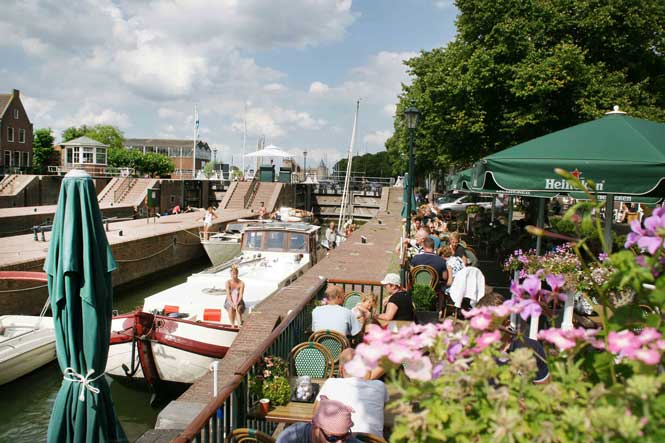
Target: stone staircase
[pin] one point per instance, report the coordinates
(266, 194)
(237, 193)
(125, 191)
(15, 183)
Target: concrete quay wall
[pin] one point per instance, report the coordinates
(142, 249)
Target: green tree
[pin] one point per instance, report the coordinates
(518, 70)
(209, 169)
(42, 150)
(369, 165)
(107, 134)
(156, 164)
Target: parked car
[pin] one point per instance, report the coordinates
(461, 202)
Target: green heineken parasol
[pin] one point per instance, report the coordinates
(79, 265)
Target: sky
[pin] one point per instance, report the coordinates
(291, 69)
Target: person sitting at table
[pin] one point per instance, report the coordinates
(457, 248)
(400, 303)
(364, 310)
(371, 395)
(429, 258)
(454, 264)
(331, 423)
(334, 316)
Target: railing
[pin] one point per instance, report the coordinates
(123, 188)
(249, 196)
(7, 182)
(101, 171)
(230, 409)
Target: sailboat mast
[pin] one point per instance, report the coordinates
(346, 192)
(244, 139)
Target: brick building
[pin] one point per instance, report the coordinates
(15, 133)
(179, 151)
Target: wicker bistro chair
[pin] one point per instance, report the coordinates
(313, 359)
(351, 299)
(331, 340)
(424, 275)
(368, 438)
(248, 435)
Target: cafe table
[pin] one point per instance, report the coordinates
(294, 411)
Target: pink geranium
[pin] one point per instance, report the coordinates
(651, 236)
(419, 369)
(555, 281)
(486, 339)
(372, 353)
(623, 343)
(647, 355)
(560, 338)
(481, 322)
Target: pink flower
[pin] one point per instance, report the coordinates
(516, 289)
(486, 339)
(558, 338)
(357, 367)
(447, 325)
(453, 350)
(622, 343)
(372, 353)
(648, 356)
(481, 321)
(376, 333)
(532, 285)
(651, 237)
(419, 369)
(648, 335)
(400, 351)
(499, 311)
(528, 308)
(555, 282)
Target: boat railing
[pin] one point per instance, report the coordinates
(230, 409)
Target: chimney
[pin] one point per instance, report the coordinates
(16, 93)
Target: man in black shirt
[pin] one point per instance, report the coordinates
(429, 258)
(400, 303)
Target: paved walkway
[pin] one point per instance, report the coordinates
(23, 249)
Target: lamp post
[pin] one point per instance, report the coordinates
(304, 156)
(411, 117)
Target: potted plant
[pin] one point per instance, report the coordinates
(277, 390)
(424, 298)
(268, 369)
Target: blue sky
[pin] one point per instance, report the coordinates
(296, 65)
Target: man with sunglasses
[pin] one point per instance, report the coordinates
(331, 423)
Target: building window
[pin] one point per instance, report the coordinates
(88, 155)
(68, 156)
(77, 153)
(16, 114)
(10, 134)
(26, 159)
(101, 156)
(8, 158)
(21, 135)
(17, 158)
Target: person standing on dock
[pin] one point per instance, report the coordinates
(207, 221)
(331, 236)
(234, 304)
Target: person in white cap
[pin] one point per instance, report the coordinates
(400, 303)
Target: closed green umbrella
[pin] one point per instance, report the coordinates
(79, 264)
(405, 197)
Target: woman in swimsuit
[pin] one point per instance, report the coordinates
(234, 304)
(207, 221)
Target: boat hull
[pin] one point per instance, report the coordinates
(220, 252)
(26, 343)
(159, 348)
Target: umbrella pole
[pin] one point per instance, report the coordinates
(540, 223)
(609, 212)
(510, 214)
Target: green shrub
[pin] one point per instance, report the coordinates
(277, 390)
(424, 297)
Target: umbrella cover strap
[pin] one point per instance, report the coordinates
(71, 375)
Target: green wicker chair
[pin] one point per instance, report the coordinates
(247, 435)
(332, 340)
(424, 275)
(351, 299)
(311, 358)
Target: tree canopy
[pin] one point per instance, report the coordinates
(117, 156)
(517, 70)
(370, 165)
(42, 150)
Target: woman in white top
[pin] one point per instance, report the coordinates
(207, 221)
(453, 263)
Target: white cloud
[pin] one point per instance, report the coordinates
(318, 88)
(377, 138)
(389, 109)
(444, 4)
(274, 87)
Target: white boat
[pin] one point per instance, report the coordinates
(181, 330)
(26, 343)
(222, 247)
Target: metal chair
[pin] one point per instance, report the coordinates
(424, 275)
(333, 341)
(351, 299)
(369, 438)
(311, 358)
(248, 435)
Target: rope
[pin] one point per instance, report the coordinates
(147, 256)
(71, 375)
(46, 306)
(9, 291)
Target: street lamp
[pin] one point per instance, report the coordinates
(304, 155)
(411, 115)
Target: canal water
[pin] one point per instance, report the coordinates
(25, 404)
